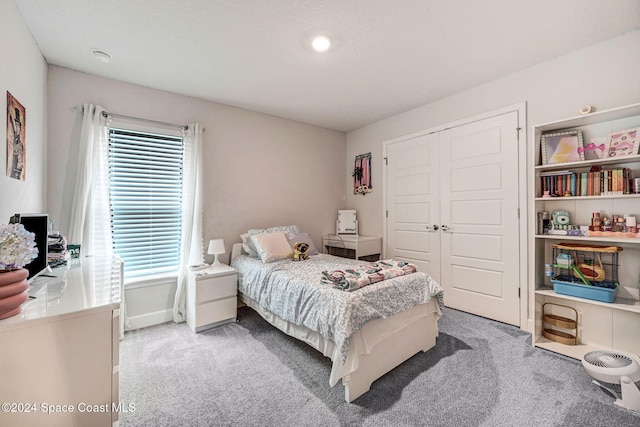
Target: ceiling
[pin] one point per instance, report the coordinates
(388, 56)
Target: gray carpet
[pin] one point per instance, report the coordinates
(481, 373)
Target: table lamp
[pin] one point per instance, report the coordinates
(216, 247)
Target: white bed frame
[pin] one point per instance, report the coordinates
(411, 334)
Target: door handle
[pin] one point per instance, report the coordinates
(434, 228)
(445, 227)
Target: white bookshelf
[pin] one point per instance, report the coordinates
(600, 325)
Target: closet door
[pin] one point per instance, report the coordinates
(479, 214)
(412, 197)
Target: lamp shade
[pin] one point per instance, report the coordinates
(216, 247)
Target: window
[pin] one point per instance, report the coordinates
(145, 186)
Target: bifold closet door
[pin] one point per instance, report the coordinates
(452, 209)
(479, 214)
(412, 192)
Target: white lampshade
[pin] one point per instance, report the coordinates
(216, 247)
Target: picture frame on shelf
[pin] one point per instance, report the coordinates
(597, 149)
(624, 143)
(562, 147)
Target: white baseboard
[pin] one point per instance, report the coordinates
(149, 319)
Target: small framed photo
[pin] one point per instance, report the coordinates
(624, 143)
(562, 147)
(597, 149)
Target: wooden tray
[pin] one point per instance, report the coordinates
(562, 322)
(559, 336)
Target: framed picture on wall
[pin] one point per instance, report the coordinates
(562, 147)
(362, 174)
(16, 144)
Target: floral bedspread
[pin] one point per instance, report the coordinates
(294, 291)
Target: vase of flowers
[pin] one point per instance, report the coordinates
(17, 249)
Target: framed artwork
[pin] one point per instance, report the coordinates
(362, 174)
(16, 143)
(562, 147)
(624, 143)
(597, 149)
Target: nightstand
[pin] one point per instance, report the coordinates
(211, 297)
(367, 248)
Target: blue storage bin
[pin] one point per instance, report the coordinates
(583, 291)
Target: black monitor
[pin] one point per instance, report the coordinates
(38, 224)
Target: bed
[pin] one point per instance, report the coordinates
(365, 332)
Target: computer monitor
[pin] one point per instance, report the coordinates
(38, 224)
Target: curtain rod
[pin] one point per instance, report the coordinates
(122, 116)
(107, 114)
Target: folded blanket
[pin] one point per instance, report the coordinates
(355, 277)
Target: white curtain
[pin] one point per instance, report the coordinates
(90, 224)
(191, 251)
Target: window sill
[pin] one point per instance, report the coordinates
(148, 281)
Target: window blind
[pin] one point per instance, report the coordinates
(145, 182)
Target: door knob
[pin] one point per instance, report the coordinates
(445, 227)
(435, 227)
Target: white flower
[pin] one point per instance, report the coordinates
(17, 246)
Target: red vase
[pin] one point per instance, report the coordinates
(13, 291)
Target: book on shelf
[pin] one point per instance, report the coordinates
(557, 173)
(605, 182)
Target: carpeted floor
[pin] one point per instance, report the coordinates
(481, 373)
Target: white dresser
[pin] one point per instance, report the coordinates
(59, 358)
(212, 297)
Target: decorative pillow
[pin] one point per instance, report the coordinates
(248, 246)
(272, 246)
(288, 230)
(303, 237)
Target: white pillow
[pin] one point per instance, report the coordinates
(288, 230)
(248, 246)
(272, 246)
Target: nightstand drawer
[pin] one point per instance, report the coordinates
(216, 311)
(215, 288)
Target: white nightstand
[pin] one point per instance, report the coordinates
(367, 248)
(212, 297)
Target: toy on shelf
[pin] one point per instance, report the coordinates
(561, 224)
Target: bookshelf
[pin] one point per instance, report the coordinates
(600, 325)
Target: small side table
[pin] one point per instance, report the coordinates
(212, 297)
(367, 248)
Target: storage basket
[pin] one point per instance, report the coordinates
(549, 320)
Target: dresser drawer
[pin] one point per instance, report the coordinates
(338, 243)
(216, 311)
(215, 288)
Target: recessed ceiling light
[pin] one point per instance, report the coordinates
(321, 43)
(101, 56)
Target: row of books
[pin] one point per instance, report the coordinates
(601, 183)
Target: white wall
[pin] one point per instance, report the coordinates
(259, 170)
(23, 73)
(605, 75)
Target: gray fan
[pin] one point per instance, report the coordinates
(612, 370)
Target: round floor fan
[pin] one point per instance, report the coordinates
(615, 371)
